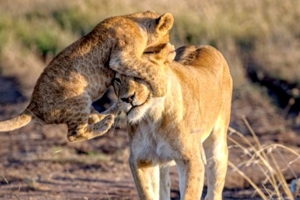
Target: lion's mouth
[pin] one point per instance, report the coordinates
(133, 107)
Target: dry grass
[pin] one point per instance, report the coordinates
(275, 185)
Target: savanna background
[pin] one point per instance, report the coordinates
(260, 40)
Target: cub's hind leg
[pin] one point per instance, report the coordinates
(95, 116)
(85, 130)
(88, 123)
(216, 151)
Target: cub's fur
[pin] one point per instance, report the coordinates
(186, 125)
(82, 72)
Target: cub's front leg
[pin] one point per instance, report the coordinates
(150, 67)
(130, 65)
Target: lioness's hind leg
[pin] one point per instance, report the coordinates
(217, 158)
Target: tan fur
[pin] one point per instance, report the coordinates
(186, 125)
(82, 72)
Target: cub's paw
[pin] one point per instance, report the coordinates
(107, 122)
(168, 52)
(95, 117)
(98, 124)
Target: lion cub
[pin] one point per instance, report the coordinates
(82, 72)
(188, 125)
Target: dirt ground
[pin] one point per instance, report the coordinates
(37, 162)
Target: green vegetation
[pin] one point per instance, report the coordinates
(264, 31)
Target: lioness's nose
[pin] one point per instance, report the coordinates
(128, 99)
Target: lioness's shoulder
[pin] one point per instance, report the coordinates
(204, 55)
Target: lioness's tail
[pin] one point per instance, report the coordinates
(15, 123)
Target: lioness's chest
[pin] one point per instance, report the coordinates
(149, 145)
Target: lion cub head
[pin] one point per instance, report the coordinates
(157, 28)
(134, 95)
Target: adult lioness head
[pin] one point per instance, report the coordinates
(135, 96)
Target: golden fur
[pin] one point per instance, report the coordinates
(82, 72)
(188, 125)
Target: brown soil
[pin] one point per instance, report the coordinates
(39, 163)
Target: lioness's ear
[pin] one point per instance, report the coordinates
(164, 23)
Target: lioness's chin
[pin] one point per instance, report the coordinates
(138, 113)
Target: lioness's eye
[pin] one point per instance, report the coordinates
(117, 81)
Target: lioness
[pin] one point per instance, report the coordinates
(82, 72)
(186, 125)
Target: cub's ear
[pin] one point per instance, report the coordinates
(164, 23)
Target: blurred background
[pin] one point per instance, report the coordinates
(260, 39)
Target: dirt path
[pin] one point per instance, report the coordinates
(38, 163)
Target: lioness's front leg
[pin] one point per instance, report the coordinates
(146, 179)
(217, 160)
(191, 174)
(165, 183)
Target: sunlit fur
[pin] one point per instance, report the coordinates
(188, 125)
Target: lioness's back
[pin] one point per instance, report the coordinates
(200, 56)
(206, 71)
